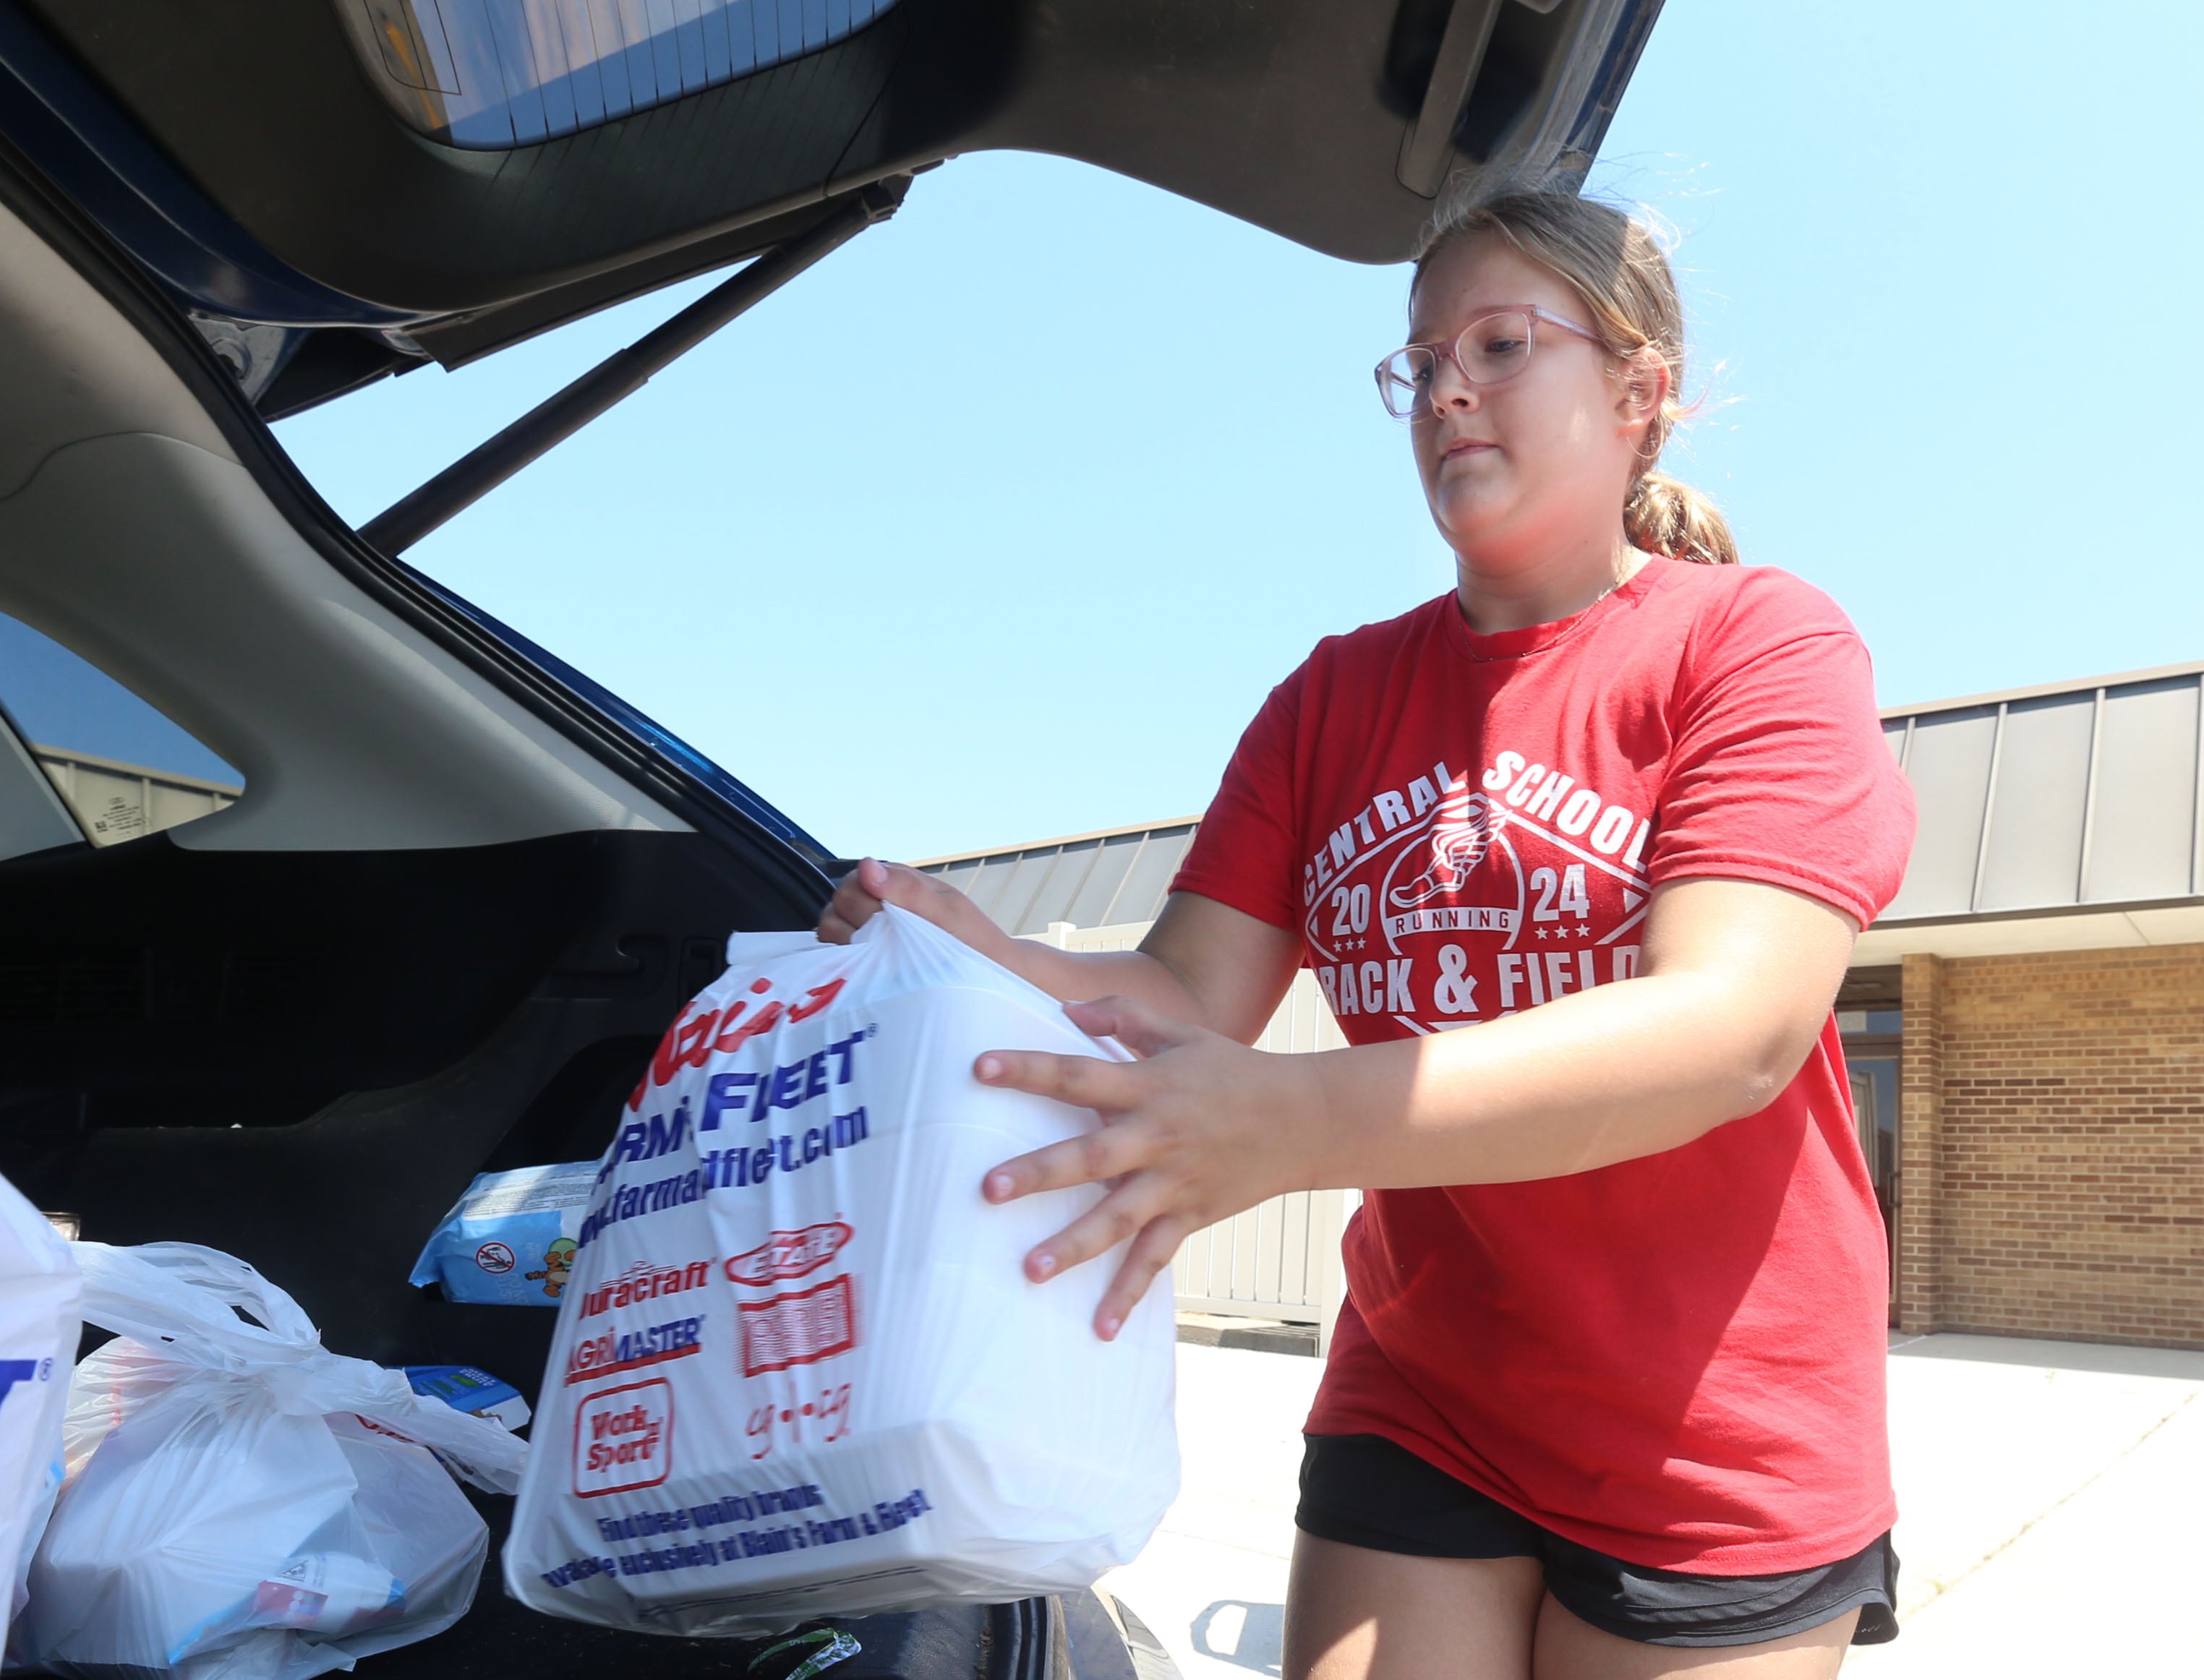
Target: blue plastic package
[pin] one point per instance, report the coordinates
(470, 1388)
(510, 1240)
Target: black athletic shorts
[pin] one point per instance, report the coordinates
(1363, 1490)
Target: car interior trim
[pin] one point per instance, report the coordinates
(184, 393)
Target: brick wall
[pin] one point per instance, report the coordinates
(2053, 1145)
(1923, 1241)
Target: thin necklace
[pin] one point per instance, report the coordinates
(1601, 596)
(1573, 623)
(1612, 587)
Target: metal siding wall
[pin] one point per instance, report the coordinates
(1091, 909)
(985, 887)
(1949, 766)
(2032, 857)
(1142, 897)
(2047, 802)
(2142, 835)
(1051, 903)
(1008, 908)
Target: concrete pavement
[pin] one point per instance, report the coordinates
(2051, 1510)
(2052, 1501)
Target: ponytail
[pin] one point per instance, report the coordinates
(1665, 517)
(1619, 269)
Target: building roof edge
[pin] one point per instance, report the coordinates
(1059, 840)
(2043, 690)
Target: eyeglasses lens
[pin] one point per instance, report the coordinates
(1404, 380)
(1489, 351)
(1495, 349)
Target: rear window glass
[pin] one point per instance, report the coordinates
(491, 74)
(121, 768)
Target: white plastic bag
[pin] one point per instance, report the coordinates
(38, 1325)
(798, 1370)
(240, 1503)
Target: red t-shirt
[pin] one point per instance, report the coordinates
(1678, 1360)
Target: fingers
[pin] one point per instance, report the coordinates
(1109, 1088)
(1083, 1081)
(1133, 1213)
(835, 928)
(1092, 1158)
(872, 884)
(893, 884)
(907, 889)
(1151, 1253)
(1128, 1215)
(1180, 1144)
(1110, 1221)
(1139, 1029)
(854, 903)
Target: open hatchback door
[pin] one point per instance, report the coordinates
(441, 894)
(401, 180)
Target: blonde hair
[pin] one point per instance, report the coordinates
(1617, 266)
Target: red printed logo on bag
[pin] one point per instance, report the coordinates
(594, 1357)
(623, 1438)
(694, 1040)
(797, 1329)
(496, 1258)
(645, 1281)
(787, 1254)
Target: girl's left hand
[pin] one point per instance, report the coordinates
(1197, 1129)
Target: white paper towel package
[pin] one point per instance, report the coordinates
(798, 1370)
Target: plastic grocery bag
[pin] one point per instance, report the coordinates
(510, 1239)
(241, 1504)
(797, 1369)
(40, 1290)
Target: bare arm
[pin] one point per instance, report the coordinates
(1738, 982)
(1202, 962)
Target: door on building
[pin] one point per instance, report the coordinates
(1872, 1057)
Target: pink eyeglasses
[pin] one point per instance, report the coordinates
(1491, 351)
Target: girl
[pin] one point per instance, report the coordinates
(1606, 1395)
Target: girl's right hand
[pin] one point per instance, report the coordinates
(873, 883)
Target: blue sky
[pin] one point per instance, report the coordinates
(1000, 523)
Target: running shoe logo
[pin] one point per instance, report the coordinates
(1461, 834)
